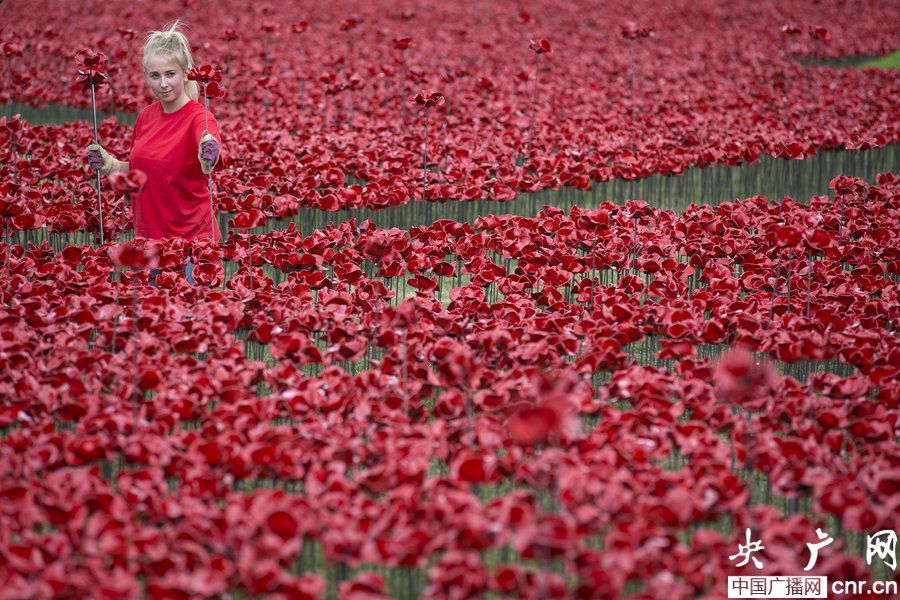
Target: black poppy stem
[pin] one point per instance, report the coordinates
(634, 246)
(425, 162)
(99, 196)
(11, 87)
(406, 371)
(403, 90)
(349, 79)
(593, 264)
(841, 222)
(534, 93)
(775, 289)
(809, 72)
(134, 337)
(8, 240)
(266, 71)
(426, 99)
(13, 167)
(115, 319)
(249, 257)
(539, 46)
(375, 319)
(809, 274)
(784, 186)
(633, 73)
(788, 279)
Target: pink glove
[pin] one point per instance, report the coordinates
(208, 152)
(100, 160)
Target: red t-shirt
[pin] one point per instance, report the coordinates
(175, 199)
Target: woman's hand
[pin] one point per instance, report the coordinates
(208, 153)
(100, 160)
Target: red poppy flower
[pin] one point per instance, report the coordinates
(425, 284)
(91, 70)
(845, 184)
(631, 31)
(817, 32)
(402, 43)
(299, 27)
(89, 61)
(533, 426)
(215, 89)
(675, 350)
(28, 222)
(128, 183)
(11, 49)
(249, 219)
(204, 74)
(787, 237)
(792, 150)
(283, 524)
(11, 125)
(209, 273)
(739, 379)
(10, 207)
(476, 468)
(377, 246)
(130, 254)
(591, 220)
(365, 586)
(540, 46)
(817, 239)
(428, 98)
(790, 29)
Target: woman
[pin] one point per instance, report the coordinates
(171, 144)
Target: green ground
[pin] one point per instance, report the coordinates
(890, 61)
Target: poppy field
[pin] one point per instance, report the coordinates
(515, 300)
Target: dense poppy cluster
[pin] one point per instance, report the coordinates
(331, 125)
(550, 392)
(589, 402)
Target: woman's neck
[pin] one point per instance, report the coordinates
(170, 107)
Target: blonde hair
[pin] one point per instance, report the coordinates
(174, 45)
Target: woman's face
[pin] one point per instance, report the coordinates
(166, 78)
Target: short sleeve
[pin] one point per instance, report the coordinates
(135, 131)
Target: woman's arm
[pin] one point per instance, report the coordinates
(119, 166)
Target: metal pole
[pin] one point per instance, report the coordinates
(96, 141)
(209, 181)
